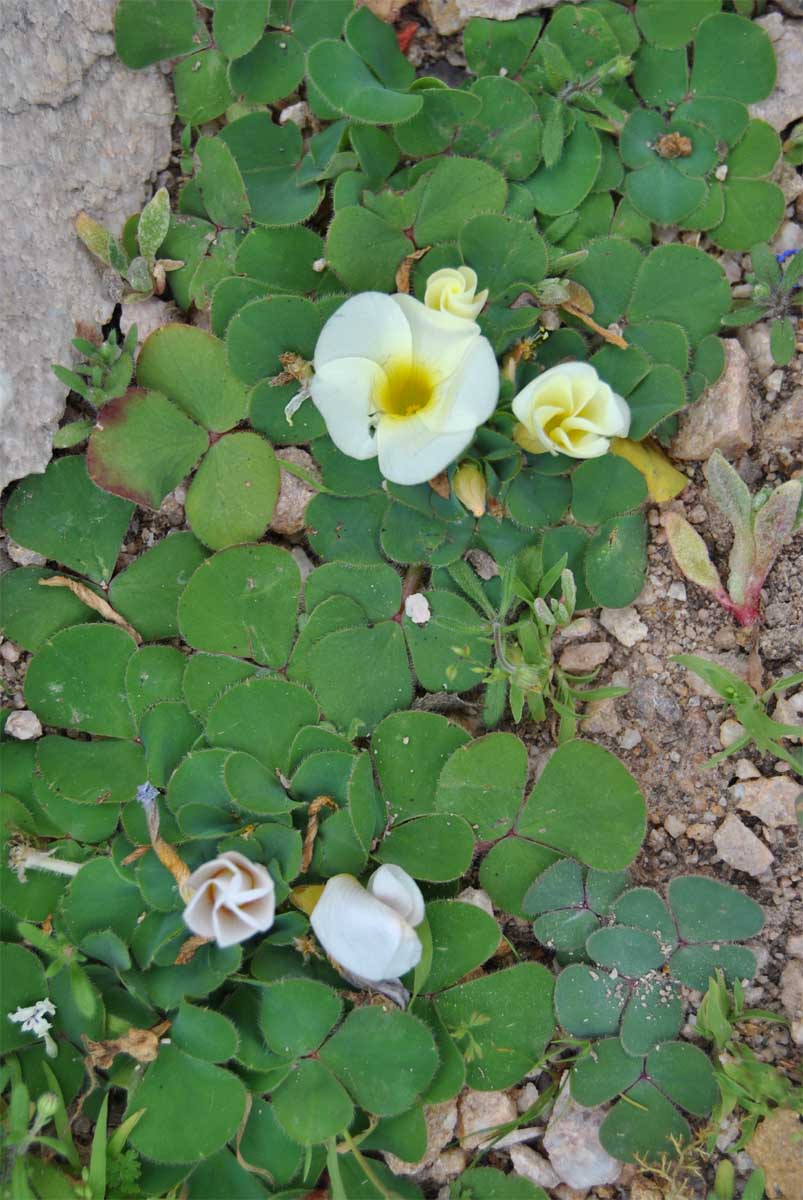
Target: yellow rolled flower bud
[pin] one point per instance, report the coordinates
(468, 484)
(453, 290)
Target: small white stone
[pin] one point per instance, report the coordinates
(480, 1113)
(721, 172)
(674, 826)
(10, 652)
(298, 114)
(416, 607)
(585, 657)
(772, 800)
(24, 725)
(581, 627)
(572, 1143)
(534, 1167)
(23, 557)
(739, 847)
(630, 739)
(677, 591)
(729, 732)
(319, 265)
(625, 625)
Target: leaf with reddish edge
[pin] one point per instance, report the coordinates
(142, 447)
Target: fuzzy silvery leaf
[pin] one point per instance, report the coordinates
(732, 497)
(153, 224)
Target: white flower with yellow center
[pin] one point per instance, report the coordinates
(370, 932)
(453, 290)
(569, 410)
(399, 380)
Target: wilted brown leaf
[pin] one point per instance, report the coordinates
(406, 266)
(141, 1044)
(92, 600)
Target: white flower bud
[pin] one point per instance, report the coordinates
(233, 898)
(452, 290)
(370, 932)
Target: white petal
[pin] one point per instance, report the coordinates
(343, 392)
(439, 340)
(410, 453)
(395, 887)
(363, 935)
(369, 325)
(620, 417)
(407, 955)
(583, 377)
(468, 397)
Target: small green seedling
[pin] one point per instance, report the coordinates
(104, 376)
(776, 294)
(750, 710)
(762, 525)
(751, 1088)
(142, 273)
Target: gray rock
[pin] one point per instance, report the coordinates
(294, 493)
(625, 625)
(24, 725)
(450, 16)
(722, 418)
(756, 341)
(654, 703)
(771, 800)
(572, 1143)
(479, 1114)
(534, 1167)
(22, 556)
(739, 847)
(785, 103)
(792, 997)
(80, 131)
(784, 429)
(585, 657)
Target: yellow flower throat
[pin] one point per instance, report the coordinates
(408, 388)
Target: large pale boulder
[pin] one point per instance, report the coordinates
(77, 131)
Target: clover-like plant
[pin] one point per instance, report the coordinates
(775, 296)
(134, 259)
(628, 952)
(762, 525)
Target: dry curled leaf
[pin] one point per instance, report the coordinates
(141, 1044)
(92, 600)
(188, 949)
(674, 145)
(615, 339)
(406, 266)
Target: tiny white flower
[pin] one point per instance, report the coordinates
(398, 380)
(416, 607)
(233, 898)
(569, 410)
(453, 290)
(33, 1019)
(370, 932)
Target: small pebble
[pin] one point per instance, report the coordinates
(24, 725)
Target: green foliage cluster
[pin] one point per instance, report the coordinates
(776, 292)
(208, 676)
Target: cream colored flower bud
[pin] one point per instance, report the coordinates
(452, 290)
(370, 932)
(468, 484)
(569, 410)
(233, 898)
